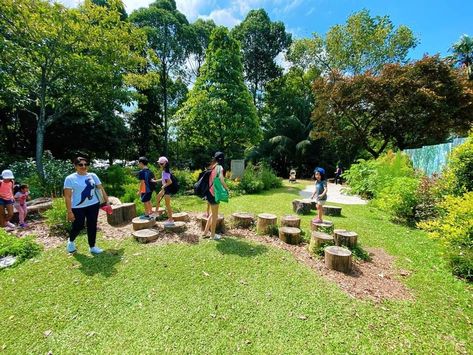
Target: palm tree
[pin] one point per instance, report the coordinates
(463, 54)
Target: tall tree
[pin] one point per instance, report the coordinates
(169, 38)
(64, 59)
(463, 54)
(219, 113)
(202, 30)
(113, 4)
(261, 41)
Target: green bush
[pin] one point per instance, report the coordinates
(400, 199)
(257, 178)
(22, 248)
(458, 175)
(186, 179)
(454, 228)
(114, 178)
(369, 178)
(56, 219)
(428, 196)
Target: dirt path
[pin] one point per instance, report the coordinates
(336, 194)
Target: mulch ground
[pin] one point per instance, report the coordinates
(376, 280)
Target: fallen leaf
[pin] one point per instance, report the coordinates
(213, 315)
(205, 273)
(302, 317)
(90, 334)
(11, 317)
(47, 333)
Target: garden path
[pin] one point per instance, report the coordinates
(336, 194)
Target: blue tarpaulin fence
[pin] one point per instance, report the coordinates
(432, 158)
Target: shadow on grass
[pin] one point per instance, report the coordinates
(239, 247)
(100, 264)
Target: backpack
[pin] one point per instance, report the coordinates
(16, 188)
(174, 187)
(202, 185)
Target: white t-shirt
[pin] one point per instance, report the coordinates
(83, 189)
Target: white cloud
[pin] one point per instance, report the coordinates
(223, 17)
(193, 8)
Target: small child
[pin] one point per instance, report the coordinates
(145, 190)
(6, 197)
(320, 192)
(166, 190)
(21, 195)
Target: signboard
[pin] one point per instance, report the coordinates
(237, 167)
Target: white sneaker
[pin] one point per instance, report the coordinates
(10, 224)
(217, 237)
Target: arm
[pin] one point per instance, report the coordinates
(324, 193)
(104, 194)
(222, 180)
(68, 201)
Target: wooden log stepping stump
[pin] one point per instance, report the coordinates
(301, 206)
(291, 221)
(176, 227)
(181, 217)
(243, 219)
(122, 214)
(319, 240)
(220, 228)
(313, 203)
(345, 238)
(338, 258)
(290, 235)
(325, 226)
(266, 221)
(332, 210)
(139, 223)
(145, 235)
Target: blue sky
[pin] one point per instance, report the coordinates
(436, 23)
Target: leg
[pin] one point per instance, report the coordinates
(21, 213)
(214, 216)
(2, 215)
(159, 196)
(208, 223)
(320, 211)
(92, 213)
(167, 200)
(9, 212)
(148, 208)
(78, 223)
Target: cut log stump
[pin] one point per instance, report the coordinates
(338, 258)
(319, 240)
(332, 210)
(177, 227)
(243, 219)
(313, 203)
(290, 235)
(122, 214)
(266, 223)
(291, 221)
(146, 235)
(301, 206)
(139, 223)
(345, 238)
(325, 226)
(181, 217)
(220, 223)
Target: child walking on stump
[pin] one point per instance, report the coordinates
(166, 189)
(6, 198)
(320, 192)
(146, 188)
(21, 195)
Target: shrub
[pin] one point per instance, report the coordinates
(428, 196)
(22, 248)
(454, 228)
(186, 180)
(361, 177)
(114, 178)
(458, 175)
(56, 219)
(257, 178)
(400, 199)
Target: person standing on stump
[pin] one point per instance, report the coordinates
(320, 192)
(166, 189)
(82, 203)
(217, 173)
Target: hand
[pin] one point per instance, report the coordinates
(138, 193)
(70, 216)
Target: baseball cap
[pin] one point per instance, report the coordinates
(162, 160)
(7, 174)
(319, 170)
(219, 156)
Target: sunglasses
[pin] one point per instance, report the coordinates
(83, 164)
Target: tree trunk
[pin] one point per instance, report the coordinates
(291, 221)
(177, 227)
(145, 235)
(325, 226)
(337, 258)
(41, 124)
(332, 210)
(301, 206)
(290, 235)
(165, 99)
(181, 217)
(243, 219)
(266, 223)
(139, 223)
(345, 238)
(319, 240)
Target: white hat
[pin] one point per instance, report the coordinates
(7, 174)
(162, 160)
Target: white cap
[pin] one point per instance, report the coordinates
(162, 160)
(7, 174)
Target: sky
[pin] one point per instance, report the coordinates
(436, 23)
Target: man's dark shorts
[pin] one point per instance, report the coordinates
(146, 196)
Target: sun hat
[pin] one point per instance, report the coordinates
(162, 160)
(319, 170)
(7, 174)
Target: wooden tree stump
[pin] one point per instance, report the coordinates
(313, 203)
(332, 210)
(319, 240)
(220, 228)
(265, 223)
(301, 206)
(122, 214)
(291, 221)
(177, 227)
(181, 217)
(325, 226)
(345, 238)
(290, 235)
(243, 219)
(145, 235)
(337, 258)
(139, 223)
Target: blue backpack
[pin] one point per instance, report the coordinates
(202, 185)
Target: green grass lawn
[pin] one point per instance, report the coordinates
(232, 295)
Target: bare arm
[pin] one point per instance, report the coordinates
(68, 201)
(104, 194)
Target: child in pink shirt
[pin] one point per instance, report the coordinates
(20, 204)
(6, 197)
